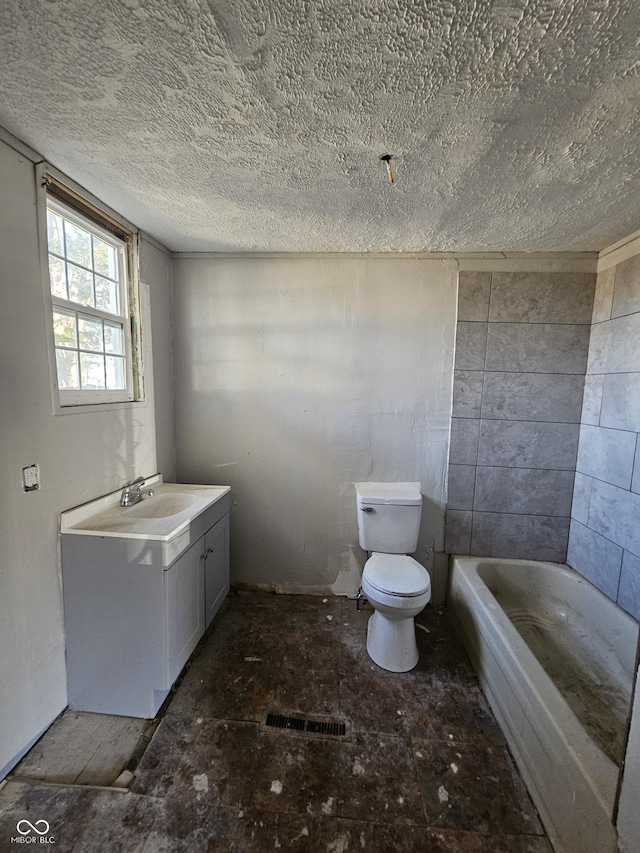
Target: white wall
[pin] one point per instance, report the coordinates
(156, 273)
(296, 377)
(81, 456)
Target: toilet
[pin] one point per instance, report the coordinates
(397, 587)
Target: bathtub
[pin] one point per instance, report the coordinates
(555, 659)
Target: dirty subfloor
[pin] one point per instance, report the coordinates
(423, 767)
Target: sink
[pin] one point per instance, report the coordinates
(160, 506)
(166, 514)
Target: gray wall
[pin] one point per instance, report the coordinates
(296, 377)
(521, 355)
(81, 456)
(604, 543)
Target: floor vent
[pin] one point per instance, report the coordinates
(307, 725)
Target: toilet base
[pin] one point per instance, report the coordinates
(391, 643)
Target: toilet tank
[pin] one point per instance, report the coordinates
(389, 516)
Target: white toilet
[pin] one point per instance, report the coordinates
(397, 587)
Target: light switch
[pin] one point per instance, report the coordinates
(31, 477)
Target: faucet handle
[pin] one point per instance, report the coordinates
(137, 482)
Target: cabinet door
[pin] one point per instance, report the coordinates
(184, 608)
(216, 573)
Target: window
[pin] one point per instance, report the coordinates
(93, 305)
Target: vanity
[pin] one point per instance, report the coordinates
(141, 585)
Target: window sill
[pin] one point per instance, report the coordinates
(89, 408)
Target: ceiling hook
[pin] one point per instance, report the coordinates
(386, 159)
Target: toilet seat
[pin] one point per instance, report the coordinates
(396, 575)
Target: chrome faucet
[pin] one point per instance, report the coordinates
(132, 492)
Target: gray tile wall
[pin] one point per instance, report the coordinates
(604, 539)
(521, 355)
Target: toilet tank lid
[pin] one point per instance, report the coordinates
(400, 494)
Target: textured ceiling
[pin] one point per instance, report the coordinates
(257, 125)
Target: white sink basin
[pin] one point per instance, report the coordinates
(165, 514)
(160, 506)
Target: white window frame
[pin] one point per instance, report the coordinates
(59, 195)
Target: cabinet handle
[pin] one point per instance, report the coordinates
(210, 549)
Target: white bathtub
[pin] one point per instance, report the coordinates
(555, 658)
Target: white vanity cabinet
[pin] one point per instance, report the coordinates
(135, 609)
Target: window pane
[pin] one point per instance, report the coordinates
(92, 371)
(90, 334)
(55, 235)
(64, 327)
(104, 258)
(80, 285)
(57, 277)
(67, 362)
(78, 244)
(115, 372)
(113, 338)
(106, 295)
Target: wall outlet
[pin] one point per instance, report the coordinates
(31, 478)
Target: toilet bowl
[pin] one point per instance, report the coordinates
(398, 588)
